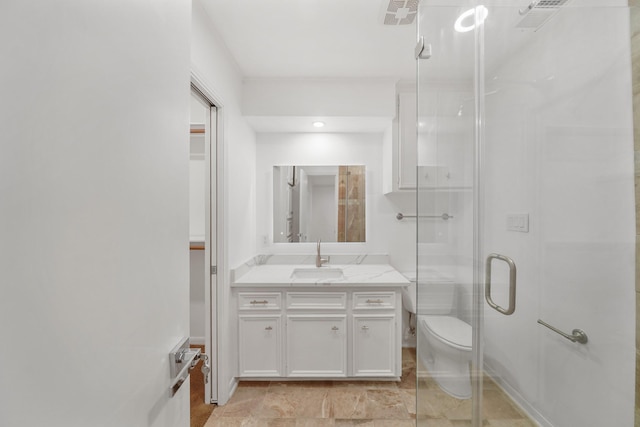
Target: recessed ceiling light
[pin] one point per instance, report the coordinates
(318, 124)
(478, 19)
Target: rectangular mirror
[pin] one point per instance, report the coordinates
(312, 203)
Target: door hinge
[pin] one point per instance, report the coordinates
(422, 50)
(214, 269)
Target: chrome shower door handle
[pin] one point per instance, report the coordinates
(512, 284)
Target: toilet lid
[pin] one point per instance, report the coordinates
(449, 329)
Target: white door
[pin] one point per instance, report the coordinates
(93, 211)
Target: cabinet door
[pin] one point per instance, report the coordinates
(316, 346)
(260, 339)
(374, 345)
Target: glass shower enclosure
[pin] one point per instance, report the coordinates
(526, 294)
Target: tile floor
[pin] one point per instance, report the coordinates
(360, 403)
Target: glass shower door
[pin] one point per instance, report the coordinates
(525, 142)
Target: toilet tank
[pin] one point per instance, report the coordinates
(436, 294)
(436, 297)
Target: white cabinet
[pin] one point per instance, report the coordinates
(259, 301)
(260, 345)
(316, 337)
(316, 301)
(260, 334)
(316, 345)
(374, 336)
(374, 352)
(374, 300)
(400, 147)
(330, 334)
(434, 149)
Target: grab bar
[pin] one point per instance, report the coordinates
(444, 216)
(577, 335)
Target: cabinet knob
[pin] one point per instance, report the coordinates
(335, 328)
(268, 328)
(365, 328)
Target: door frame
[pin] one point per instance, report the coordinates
(214, 232)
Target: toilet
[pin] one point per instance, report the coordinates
(444, 341)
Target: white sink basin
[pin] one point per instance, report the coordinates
(317, 273)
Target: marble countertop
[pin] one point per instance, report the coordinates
(374, 275)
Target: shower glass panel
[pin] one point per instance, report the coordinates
(525, 138)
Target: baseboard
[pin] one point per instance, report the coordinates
(196, 340)
(517, 398)
(233, 386)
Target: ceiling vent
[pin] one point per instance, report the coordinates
(401, 12)
(542, 4)
(539, 12)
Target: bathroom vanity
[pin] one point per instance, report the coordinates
(339, 321)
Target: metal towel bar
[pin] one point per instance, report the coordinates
(444, 216)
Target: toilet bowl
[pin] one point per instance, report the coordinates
(444, 341)
(444, 347)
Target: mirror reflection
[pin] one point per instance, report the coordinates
(312, 203)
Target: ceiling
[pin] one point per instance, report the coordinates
(314, 38)
(346, 39)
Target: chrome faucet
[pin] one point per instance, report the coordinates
(319, 259)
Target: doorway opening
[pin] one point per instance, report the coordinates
(203, 239)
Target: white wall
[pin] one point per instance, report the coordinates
(384, 233)
(560, 147)
(212, 61)
(197, 171)
(94, 214)
(197, 181)
(319, 97)
(214, 65)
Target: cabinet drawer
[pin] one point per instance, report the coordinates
(259, 301)
(374, 300)
(316, 300)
